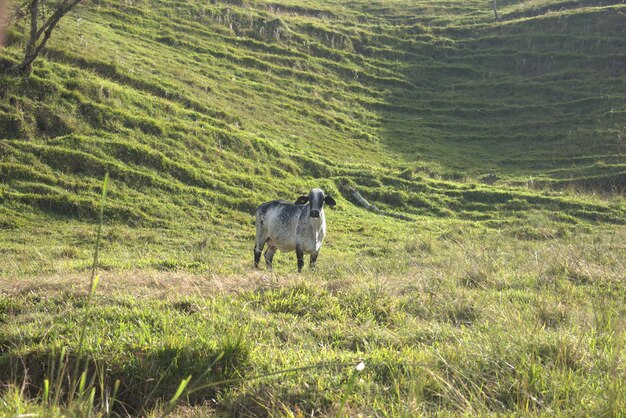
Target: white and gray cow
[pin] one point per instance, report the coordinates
(287, 226)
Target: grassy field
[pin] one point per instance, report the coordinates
(463, 322)
(461, 297)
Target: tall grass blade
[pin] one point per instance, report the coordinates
(349, 387)
(174, 400)
(58, 379)
(111, 402)
(81, 385)
(92, 286)
(92, 397)
(46, 391)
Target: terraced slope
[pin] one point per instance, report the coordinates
(460, 297)
(201, 111)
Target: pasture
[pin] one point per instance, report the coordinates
(491, 281)
(469, 321)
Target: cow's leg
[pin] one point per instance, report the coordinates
(300, 257)
(257, 257)
(258, 249)
(261, 239)
(313, 259)
(269, 256)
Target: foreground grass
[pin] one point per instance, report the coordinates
(466, 322)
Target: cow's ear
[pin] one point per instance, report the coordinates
(329, 201)
(302, 200)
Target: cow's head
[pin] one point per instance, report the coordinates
(316, 200)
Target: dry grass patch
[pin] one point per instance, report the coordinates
(139, 283)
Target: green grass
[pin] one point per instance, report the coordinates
(469, 322)
(460, 297)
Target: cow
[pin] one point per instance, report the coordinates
(299, 227)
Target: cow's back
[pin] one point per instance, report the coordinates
(278, 220)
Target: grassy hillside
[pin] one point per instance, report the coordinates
(200, 111)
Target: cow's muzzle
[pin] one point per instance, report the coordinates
(315, 214)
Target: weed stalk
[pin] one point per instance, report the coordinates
(93, 285)
(349, 386)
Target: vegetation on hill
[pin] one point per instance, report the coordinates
(196, 109)
(460, 296)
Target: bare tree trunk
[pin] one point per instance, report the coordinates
(25, 66)
(40, 35)
(495, 10)
(361, 200)
(3, 20)
(364, 203)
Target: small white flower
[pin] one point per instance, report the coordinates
(360, 366)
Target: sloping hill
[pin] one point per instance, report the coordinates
(202, 111)
(459, 297)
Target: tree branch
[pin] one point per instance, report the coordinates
(54, 18)
(33, 48)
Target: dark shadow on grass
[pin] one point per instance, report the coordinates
(148, 378)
